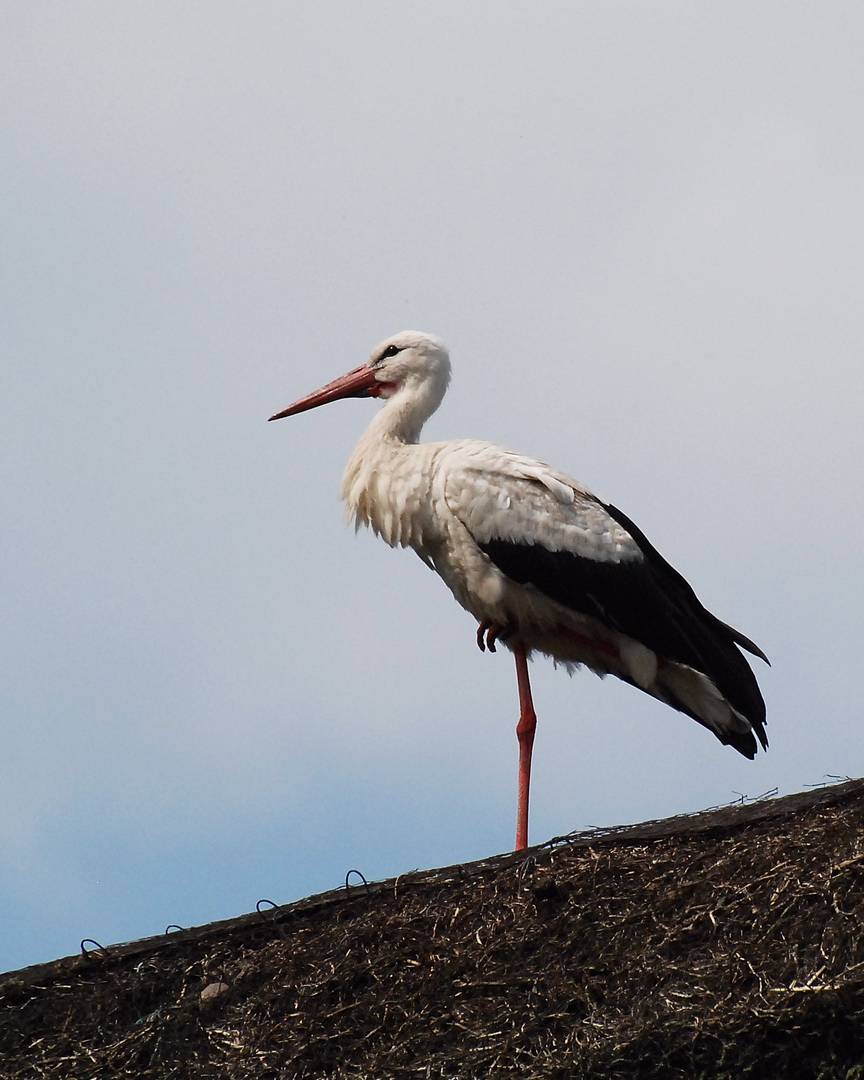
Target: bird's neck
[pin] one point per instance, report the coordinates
(402, 418)
(386, 477)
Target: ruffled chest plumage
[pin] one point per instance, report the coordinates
(387, 486)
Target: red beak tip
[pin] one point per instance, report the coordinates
(360, 382)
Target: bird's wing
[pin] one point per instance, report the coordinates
(504, 497)
(544, 530)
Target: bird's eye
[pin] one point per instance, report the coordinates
(391, 350)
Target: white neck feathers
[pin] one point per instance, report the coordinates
(387, 481)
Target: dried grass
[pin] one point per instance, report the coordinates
(724, 945)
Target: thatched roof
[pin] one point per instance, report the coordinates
(727, 944)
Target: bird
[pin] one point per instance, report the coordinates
(541, 563)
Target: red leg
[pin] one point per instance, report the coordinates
(525, 733)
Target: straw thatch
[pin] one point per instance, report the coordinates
(728, 944)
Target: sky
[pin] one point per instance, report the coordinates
(640, 229)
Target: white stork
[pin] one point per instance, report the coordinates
(540, 562)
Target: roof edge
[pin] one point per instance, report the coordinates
(716, 821)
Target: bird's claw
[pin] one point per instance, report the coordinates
(488, 634)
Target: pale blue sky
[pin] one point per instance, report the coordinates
(639, 227)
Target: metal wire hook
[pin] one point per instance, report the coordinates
(86, 952)
(348, 885)
(280, 930)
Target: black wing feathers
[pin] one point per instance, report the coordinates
(653, 555)
(648, 600)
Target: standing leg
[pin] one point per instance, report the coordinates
(525, 733)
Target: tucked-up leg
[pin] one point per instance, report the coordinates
(525, 733)
(488, 633)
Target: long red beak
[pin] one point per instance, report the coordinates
(360, 382)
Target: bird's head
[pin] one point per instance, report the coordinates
(409, 364)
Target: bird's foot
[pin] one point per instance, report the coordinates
(488, 634)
